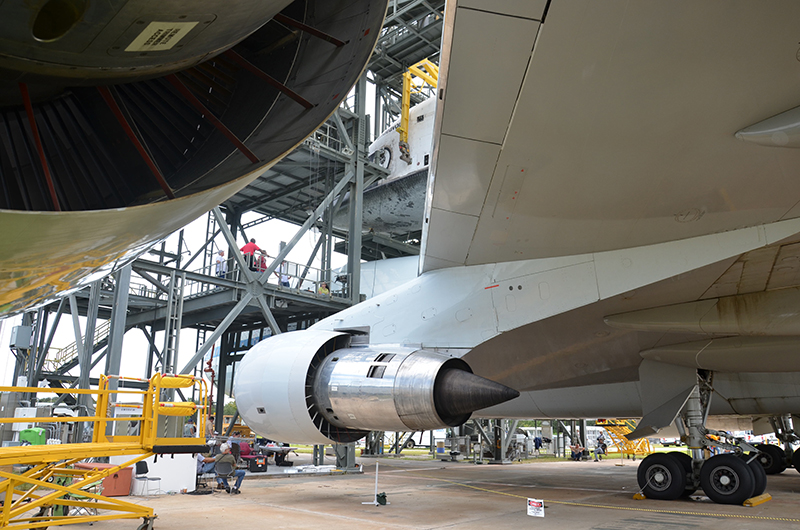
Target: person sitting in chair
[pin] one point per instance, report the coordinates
(600, 448)
(225, 465)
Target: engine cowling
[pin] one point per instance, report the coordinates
(316, 386)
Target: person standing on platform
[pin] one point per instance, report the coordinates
(222, 264)
(249, 251)
(262, 261)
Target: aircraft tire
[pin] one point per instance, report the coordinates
(727, 479)
(662, 476)
(772, 458)
(759, 474)
(796, 460)
(686, 462)
(410, 444)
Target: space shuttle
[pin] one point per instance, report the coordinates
(122, 121)
(611, 229)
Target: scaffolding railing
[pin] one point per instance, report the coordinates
(52, 488)
(57, 357)
(291, 275)
(617, 429)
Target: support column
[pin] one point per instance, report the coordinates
(357, 194)
(583, 436)
(119, 313)
(49, 341)
(88, 343)
(84, 365)
(345, 456)
(318, 458)
(37, 341)
(226, 346)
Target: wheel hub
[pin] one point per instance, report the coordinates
(659, 478)
(724, 480)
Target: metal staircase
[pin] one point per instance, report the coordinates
(174, 316)
(58, 357)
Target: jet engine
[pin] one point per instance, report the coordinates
(122, 121)
(317, 386)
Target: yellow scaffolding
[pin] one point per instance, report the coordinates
(52, 487)
(617, 429)
(429, 73)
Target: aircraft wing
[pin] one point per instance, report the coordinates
(583, 126)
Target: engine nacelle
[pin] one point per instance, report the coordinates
(313, 386)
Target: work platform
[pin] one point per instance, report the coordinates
(52, 489)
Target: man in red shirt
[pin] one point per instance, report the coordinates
(249, 250)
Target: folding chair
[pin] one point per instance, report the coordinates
(225, 470)
(96, 488)
(141, 475)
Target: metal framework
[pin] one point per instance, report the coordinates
(617, 429)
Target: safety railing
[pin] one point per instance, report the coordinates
(150, 401)
(53, 489)
(57, 357)
(291, 275)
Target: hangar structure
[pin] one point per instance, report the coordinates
(167, 289)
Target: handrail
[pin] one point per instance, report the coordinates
(66, 353)
(152, 407)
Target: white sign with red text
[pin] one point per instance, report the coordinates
(536, 507)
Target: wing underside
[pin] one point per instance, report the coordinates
(592, 126)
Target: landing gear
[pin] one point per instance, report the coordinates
(772, 458)
(662, 476)
(796, 460)
(779, 458)
(759, 474)
(727, 479)
(685, 461)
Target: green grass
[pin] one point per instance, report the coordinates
(423, 453)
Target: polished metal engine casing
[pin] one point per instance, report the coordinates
(390, 388)
(313, 386)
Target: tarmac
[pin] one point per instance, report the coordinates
(431, 494)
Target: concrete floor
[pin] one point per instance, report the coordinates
(433, 494)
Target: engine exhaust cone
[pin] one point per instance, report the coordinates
(458, 393)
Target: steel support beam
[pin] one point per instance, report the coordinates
(357, 195)
(248, 274)
(151, 351)
(157, 284)
(119, 312)
(306, 226)
(223, 326)
(83, 363)
(91, 326)
(49, 341)
(202, 249)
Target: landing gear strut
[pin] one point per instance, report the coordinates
(776, 459)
